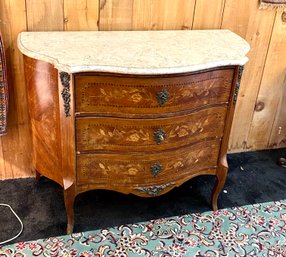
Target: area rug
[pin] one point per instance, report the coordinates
(276, 4)
(253, 230)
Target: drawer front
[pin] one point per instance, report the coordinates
(145, 135)
(133, 170)
(102, 94)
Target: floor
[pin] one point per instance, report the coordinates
(253, 177)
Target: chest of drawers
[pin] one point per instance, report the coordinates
(140, 118)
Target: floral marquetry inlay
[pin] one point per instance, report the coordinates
(124, 169)
(119, 95)
(98, 133)
(95, 94)
(124, 118)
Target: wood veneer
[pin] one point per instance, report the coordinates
(122, 134)
(133, 170)
(42, 90)
(138, 95)
(111, 131)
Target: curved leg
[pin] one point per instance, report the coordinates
(220, 181)
(69, 195)
(38, 175)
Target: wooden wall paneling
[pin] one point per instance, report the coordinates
(263, 81)
(45, 15)
(15, 150)
(2, 163)
(255, 25)
(204, 19)
(278, 132)
(115, 14)
(163, 14)
(237, 14)
(81, 14)
(271, 89)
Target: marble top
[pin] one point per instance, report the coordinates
(135, 52)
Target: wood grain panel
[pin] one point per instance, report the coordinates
(45, 15)
(125, 95)
(101, 169)
(204, 19)
(271, 90)
(67, 142)
(256, 27)
(116, 14)
(2, 163)
(81, 14)
(16, 148)
(67, 127)
(162, 14)
(140, 135)
(278, 132)
(42, 87)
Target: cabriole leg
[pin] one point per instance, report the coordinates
(69, 196)
(37, 174)
(221, 175)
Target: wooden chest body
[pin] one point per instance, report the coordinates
(115, 133)
(140, 120)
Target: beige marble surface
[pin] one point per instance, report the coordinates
(135, 52)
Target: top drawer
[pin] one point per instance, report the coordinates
(123, 94)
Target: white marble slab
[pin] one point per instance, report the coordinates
(135, 52)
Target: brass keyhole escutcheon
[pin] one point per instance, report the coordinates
(163, 96)
(156, 169)
(159, 136)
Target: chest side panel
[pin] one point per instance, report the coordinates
(42, 90)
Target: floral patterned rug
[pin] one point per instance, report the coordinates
(252, 230)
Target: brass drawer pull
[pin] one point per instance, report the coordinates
(163, 96)
(159, 136)
(156, 169)
(154, 190)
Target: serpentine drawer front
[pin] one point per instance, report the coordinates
(98, 133)
(136, 112)
(154, 95)
(129, 169)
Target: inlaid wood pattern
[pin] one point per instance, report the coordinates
(131, 169)
(98, 133)
(123, 94)
(146, 155)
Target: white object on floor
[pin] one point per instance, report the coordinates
(22, 226)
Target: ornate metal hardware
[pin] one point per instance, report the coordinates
(163, 96)
(237, 86)
(155, 169)
(65, 79)
(159, 136)
(154, 190)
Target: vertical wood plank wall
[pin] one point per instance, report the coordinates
(260, 117)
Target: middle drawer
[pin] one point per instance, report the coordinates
(98, 133)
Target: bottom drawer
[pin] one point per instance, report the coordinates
(133, 170)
